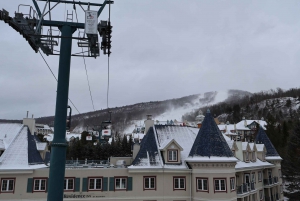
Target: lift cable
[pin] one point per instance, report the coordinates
(108, 60)
(87, 77)
(56, 80)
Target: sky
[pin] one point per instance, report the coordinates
(160, 50)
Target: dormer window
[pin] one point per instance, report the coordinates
(263, 156)
(247, 156)
(172, 155)
(253, 156)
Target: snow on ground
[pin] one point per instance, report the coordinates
(177, 113)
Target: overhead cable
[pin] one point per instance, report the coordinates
(57, 80)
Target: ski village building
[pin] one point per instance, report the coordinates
(172, 163)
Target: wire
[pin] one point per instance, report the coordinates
(108, 60)
(57, 80)
(87, 77)
(107, 81)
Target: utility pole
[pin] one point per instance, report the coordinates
(29, 25)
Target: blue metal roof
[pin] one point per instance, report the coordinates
(148, 145)
(262, 138)
(210, 141)
(34, 156)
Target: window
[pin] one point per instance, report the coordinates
(95, 184)
(202, 184)
(253, 177)
(232, 183)
(247, 156)
(263, 156)
(172, 155)
(7, 185)
(253, 156)
(259, 176)
(39, 184)
(179, 183)
(149, 183)
(121, 183)
(220, 184)
(69, 184)
(247, 178)
(261, 195)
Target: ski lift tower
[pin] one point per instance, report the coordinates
(31, 25)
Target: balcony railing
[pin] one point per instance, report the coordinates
(242, 189)
(270, 181)
(245, 188)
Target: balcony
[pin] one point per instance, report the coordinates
(245, 188)
(270, 181)
(274, 197)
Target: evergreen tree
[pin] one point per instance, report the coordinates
(291, 164)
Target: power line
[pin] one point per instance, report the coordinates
(56, 80)
(87, 77)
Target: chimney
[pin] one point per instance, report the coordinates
(148, 123)
(136, 149)
(27, 114)
(245, 123)
(32, 116)
(30, 122)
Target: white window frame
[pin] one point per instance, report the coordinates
(202, 180)
(253, 178)
(218, 182)
(174, 155)
(259, 176)
(232, 183)
(40, 185)
(122, 183)
(8, 181)
(261, 194)
(148, 182)
(180, 180)
(95, 179)
(66, 188)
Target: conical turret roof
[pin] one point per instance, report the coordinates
(262, 138)
(210, 141)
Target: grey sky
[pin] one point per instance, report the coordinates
(160, 50)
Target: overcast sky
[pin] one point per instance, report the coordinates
(160, 50)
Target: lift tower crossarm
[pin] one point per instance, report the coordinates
(75, 2)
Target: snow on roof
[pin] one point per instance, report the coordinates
(273, 158)
(258, 163)
(2, 147)
(16, 155)
(260, 147)
(251, 145)
(148, 154)
(244, 146)
(8, 132)
(241, 124)
(184, 136)
(41, 146)
(211, 159)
